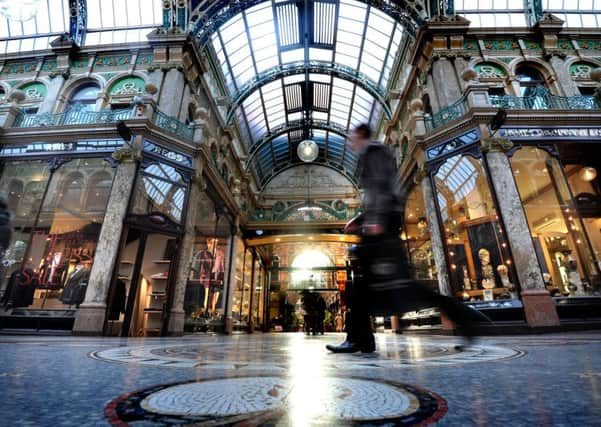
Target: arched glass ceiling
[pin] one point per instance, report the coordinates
(520, 13)
(27, 25)
(270, 36)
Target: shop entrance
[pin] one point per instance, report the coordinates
(140, 298)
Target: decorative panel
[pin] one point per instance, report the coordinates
(20, 68)
(487, 70)
(35, 91)
(127, 86)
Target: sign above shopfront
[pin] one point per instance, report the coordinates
(37, 148)
(551, 133)
(166, 153)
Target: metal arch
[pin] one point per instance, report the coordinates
(209, 15)
(300, 67)
(78, 21)
(275, 172)
(295, 125)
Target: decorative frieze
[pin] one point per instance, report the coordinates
(487, 70)
(489, 145)
(126, 155)
(19, 68)
(112, 61)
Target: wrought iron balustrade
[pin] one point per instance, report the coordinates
(173, 125)
(542, 99)
(447, 114)
(76, 115)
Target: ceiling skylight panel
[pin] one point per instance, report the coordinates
(324, 22)
(320, 54)
(294, 55)
(288, 24)
(232, 29)
(134, 12)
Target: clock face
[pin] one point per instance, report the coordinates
(307, 150)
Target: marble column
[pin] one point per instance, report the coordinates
(90, 317)
(562, 74)
(171, 92)
(54, 89)
(445, 82)
(436, 238)
(539, 308)
(231, 283)
(177, 315)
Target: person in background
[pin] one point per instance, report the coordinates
(5, 229)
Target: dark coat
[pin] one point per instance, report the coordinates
(5, 226)
(377, 179)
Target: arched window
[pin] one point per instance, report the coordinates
(85, 96)
(99, 189)
(529, 79)
(70, 196)
(15, 191)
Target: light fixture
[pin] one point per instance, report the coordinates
(587, 173)
(22, 10)
(422, 225)
(307, 150)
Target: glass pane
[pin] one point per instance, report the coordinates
(480, 266)
(417, 235)
(23, 183)
(556, 228)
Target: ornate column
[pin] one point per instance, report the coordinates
(89, 319)
(9, 110)
(445, 82)
(171, 92)
(562, 74)
(232, 248)
(539, 308)
(54, 89)
(177, 314)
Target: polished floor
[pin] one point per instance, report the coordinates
(289, 379)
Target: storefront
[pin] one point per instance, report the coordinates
(58, 195)
(144, 277)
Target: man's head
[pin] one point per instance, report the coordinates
(360, 138)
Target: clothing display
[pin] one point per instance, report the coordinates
(21, 288)
(117, 304)
(75, 289)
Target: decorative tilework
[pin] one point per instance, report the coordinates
(20, 68)
(470, 44)
(501, 44)
(532, 45)
(505, 59)
(581, 70)
(127, 86)
(145, 59)
(487, 70)
(590, 44)
(278, 401)
(35, 91)
(80, 62)
(49, 64)
(112, 61)
(565, 44)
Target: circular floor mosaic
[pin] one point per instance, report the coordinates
(249, 357)
(276, 400)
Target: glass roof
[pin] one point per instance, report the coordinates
(264, 38)
(27, 25)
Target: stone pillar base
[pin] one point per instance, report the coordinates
(229, 325)
(175, 328)
(89, 320)
(539, 308)
(394, 324)
(447, 324)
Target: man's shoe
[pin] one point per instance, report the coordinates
(345, 347)
(370, 348)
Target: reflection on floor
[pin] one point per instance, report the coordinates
(289, 379)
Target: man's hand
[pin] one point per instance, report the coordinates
(373, 229)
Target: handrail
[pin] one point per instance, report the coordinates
(447, 114)
(542, 99)
(76, 115)
(173, 125)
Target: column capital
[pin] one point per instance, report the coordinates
(126, 155)
(420, 173)
(489, 145)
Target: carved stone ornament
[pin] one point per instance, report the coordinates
(151, 88)
(420, 173)
(596, 75)
(469, 75)
(416, 105)
(126, 155)
(199, 179)
(17, 96)
(496, 144)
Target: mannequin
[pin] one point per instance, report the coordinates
(75, 288)
(201, 271)
(217, 272)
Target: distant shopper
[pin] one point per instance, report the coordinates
(5, 228)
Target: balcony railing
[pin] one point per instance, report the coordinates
(171, 124)
(542, 99)
(76, 115)
(447, 114)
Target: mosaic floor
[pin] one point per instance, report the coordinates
(290, 380)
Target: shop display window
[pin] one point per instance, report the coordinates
(160, 188)
(563, 249)
(204, 302)
(417, 236)
(480, 266)
(56, 236)
(241, 286)
(258, 302)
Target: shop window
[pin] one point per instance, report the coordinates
(417, 236)
(98, 192)
(85, 97)
(60, 249)
(25, 183)
(562, 247)
(160, 189)
(478, 256)
(204, 300)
